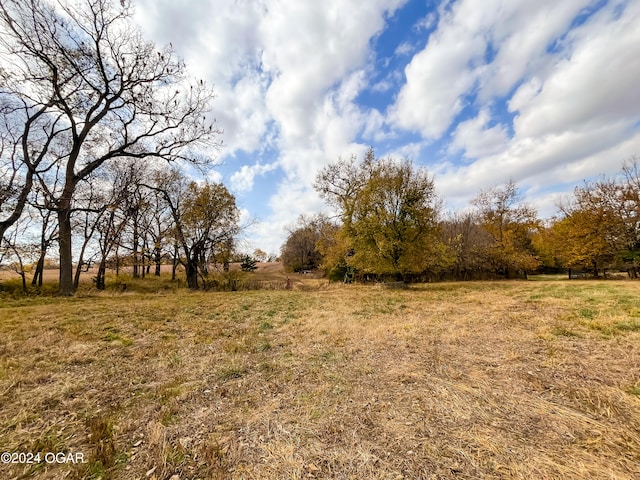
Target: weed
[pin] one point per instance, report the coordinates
(264, 326)
(627, 326)
(101, 438)
(264, 346)
(230, 372)
(169, 413)
(49, 441)
(563, 332)
(175, 359)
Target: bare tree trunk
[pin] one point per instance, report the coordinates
(175, 262)
(192, 269)
(158, 259)
(136, 271)
(192, 276)
(76, 279)
(66, 258)
(37, 276)
(100, 276)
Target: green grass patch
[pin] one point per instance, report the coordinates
(627, 326)
(116, 338)
(563, 332)
(587, 313)
(633, 390)
(231, 372)
(264, 326)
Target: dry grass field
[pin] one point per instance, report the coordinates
(482, 380)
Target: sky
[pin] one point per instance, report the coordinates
(543, 92)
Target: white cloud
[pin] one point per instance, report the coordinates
(410, 151)
(331, 40)
(214, 176)
(558, 158)
(438, 76)
(595, 84)
(242, 180)
(476, 140)
(576, 110)
(405, 48)
(426, 23)
(291, 200)
(453, 64)
(220, 44)
(391, 81)
(288, 76)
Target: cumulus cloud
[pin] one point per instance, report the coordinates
(454, 64)
(242, 180)
(569, 88)
(331, 41)
(286, 76)
(596, 82)
(220, 44)
(476, 140)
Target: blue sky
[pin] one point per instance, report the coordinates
(543, 92)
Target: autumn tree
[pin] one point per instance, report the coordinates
(599, 226)
(300, 250)
(205, 220)
(81, 87)
(260, 255)
(510, 223)
(465, 241)
(575, 242)
(389, 211)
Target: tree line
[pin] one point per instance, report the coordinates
(391, 225)
(96, 124)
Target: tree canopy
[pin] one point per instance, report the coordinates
(389, 211)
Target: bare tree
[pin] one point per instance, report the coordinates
(82, 88)
(15, 246)
(48, 235)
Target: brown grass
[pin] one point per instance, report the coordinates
(456, 380)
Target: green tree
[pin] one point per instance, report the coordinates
(248, 264)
